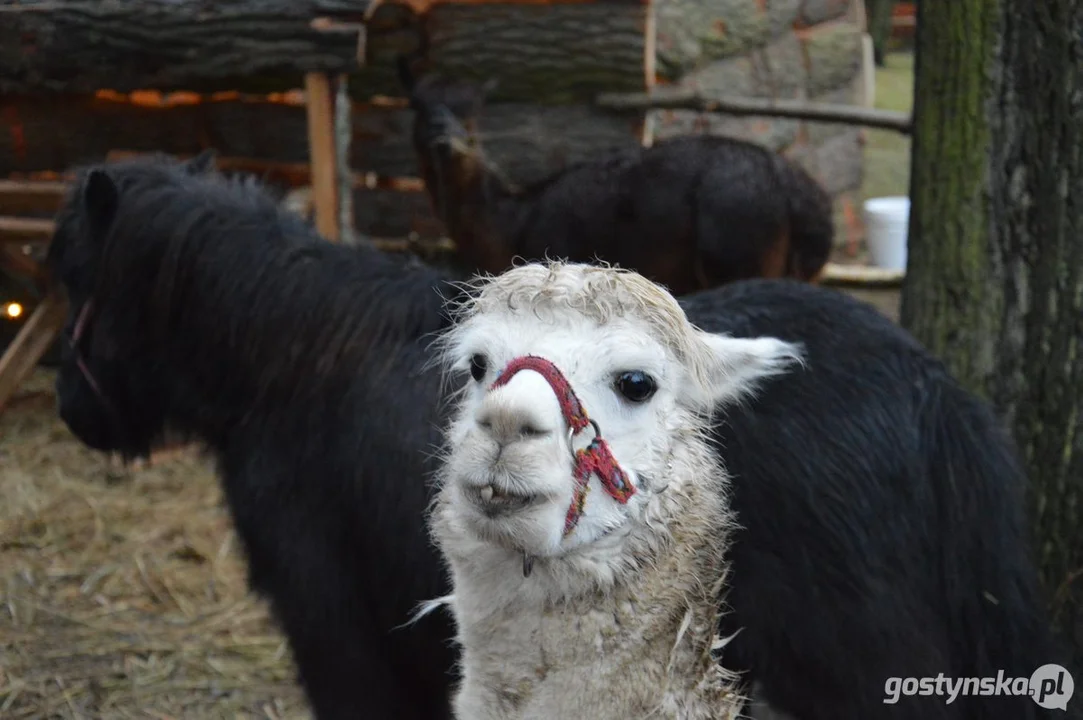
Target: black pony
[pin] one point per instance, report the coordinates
(199, 306)
(882, 504)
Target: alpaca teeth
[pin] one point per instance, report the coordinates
(528, 565)
(487, 493)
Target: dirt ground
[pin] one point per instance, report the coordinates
(122, 592)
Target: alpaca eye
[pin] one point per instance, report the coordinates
(636, 386)
(478, 366)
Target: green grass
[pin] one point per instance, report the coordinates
(887, 153)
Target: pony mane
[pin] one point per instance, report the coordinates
(216, 258)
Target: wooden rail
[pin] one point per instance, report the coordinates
(24, 353)
(678, 98)
(31, 197)
(20, 230)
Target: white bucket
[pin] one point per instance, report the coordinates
(887, 222)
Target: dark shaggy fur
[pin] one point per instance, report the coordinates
(884, 519)
(881, 504)
(690, 213)
(300, 363)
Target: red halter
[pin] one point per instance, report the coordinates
(595, 458)
(82, 323)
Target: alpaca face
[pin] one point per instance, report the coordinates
(510, 468)
(513, 463)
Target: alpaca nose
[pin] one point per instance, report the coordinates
(507, 423)
(519, 411)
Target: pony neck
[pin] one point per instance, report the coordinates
(273, 330)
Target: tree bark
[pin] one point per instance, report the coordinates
(85, 45)
(995, 278)
(879, 23)
(563, 53)
(546, 53)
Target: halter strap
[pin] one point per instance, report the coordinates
(596, 458)
(82, 322)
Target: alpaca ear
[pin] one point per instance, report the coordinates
(100, 198)
(734, 367)
(204, 162)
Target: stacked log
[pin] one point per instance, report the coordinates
(68, 69)
(73, 72)
(539, 51)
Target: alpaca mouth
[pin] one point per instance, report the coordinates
(494, 500)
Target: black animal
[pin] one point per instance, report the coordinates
(691, 212)
(883, 514)
(881, 504)
(213, 313)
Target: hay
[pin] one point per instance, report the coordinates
(122, 592)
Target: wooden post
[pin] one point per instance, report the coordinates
(650, 71)
(321, 146)
(32, 342)
(344, 177)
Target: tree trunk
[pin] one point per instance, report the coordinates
(879, 23)
(995, 278)
(545, 53)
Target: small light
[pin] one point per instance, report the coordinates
(13, 310)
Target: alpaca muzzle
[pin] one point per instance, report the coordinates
(445, 127)
(595, 459)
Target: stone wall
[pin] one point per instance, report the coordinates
(782, 49)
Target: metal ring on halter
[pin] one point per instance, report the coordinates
(572, 431)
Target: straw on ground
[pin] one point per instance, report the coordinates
(122, 592)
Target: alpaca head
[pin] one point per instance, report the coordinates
(445, 136)
(446, 109)
(552, 355)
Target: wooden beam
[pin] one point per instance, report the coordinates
(31, 197)
(59, 132)
(33, 341)
(679, 98)
(16, 232)
(839, 275)
(20, 231)
(294, 175)
(319, 99)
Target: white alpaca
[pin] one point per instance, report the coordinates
(603, 605)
